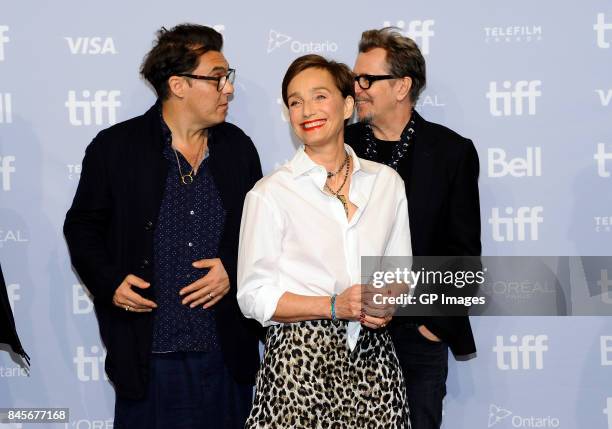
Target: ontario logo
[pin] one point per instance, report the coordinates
(501, 415)
(277, 39)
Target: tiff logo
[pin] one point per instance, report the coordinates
(523, 90)
(90, 367)
(3, 40)
(12, 291)
(91, 45)
(82, 302)
(503, 227)
(606, 287)
(529, 166)
(605, 342)
(601, 156)
(419, 31)
(600, 28)
(7, 167)
(532, 346)
(6, 109)
(605, 96)
(102, 101)
(608, 411)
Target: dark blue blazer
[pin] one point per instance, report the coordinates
(109, 231)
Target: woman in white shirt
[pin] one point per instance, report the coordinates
(304, 230)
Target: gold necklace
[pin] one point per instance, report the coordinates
(337, 194)
(187, 179)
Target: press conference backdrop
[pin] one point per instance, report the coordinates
(529, 82)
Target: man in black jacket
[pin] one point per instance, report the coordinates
(153, 233)
(8, 331)
(440, 169)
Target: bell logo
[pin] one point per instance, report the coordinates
(419, 31)
(82, 302)
(6, 109)
(91, 45)
(531, 346)
(80, 111)
(3, 40)
(600, 157)
(7, 167)
(605, 341)
(600, 28)
(523, 90)
(89, 368)
(608, 411)
(497, 414)
(529, 166)
(503, 227)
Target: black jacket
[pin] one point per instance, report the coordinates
(8, 332)
(109, 231)
(441, 176)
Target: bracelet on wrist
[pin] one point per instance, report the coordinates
(333, 307)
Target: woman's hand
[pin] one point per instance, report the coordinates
(349, 306)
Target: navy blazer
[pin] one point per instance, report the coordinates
(443, 207)
(109, 231)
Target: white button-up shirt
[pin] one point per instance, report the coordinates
(295, 237)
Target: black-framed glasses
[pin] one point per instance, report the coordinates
(365, 81)
(230, 76)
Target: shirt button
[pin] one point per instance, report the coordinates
(191, 212)
(190, 244)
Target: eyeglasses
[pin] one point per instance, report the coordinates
(365, 81)
(221, 80)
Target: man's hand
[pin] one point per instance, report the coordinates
(129, 300)
(209, 289)
(428, 334)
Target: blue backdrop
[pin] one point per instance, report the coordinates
(529, 82)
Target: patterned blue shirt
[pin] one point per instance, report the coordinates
(191, 219)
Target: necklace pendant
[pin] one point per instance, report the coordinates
(187, 179)
(342, 199)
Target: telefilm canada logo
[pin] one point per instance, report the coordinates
(277, 40)
(501, 417)
(513, 34)
(74, 171)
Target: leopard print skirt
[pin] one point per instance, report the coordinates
(309, 378)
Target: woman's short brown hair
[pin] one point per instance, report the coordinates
(404, 57)
(340, 72)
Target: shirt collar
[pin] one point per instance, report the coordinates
(302, 164)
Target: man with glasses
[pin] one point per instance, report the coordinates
(153, 233)
(440, 169)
